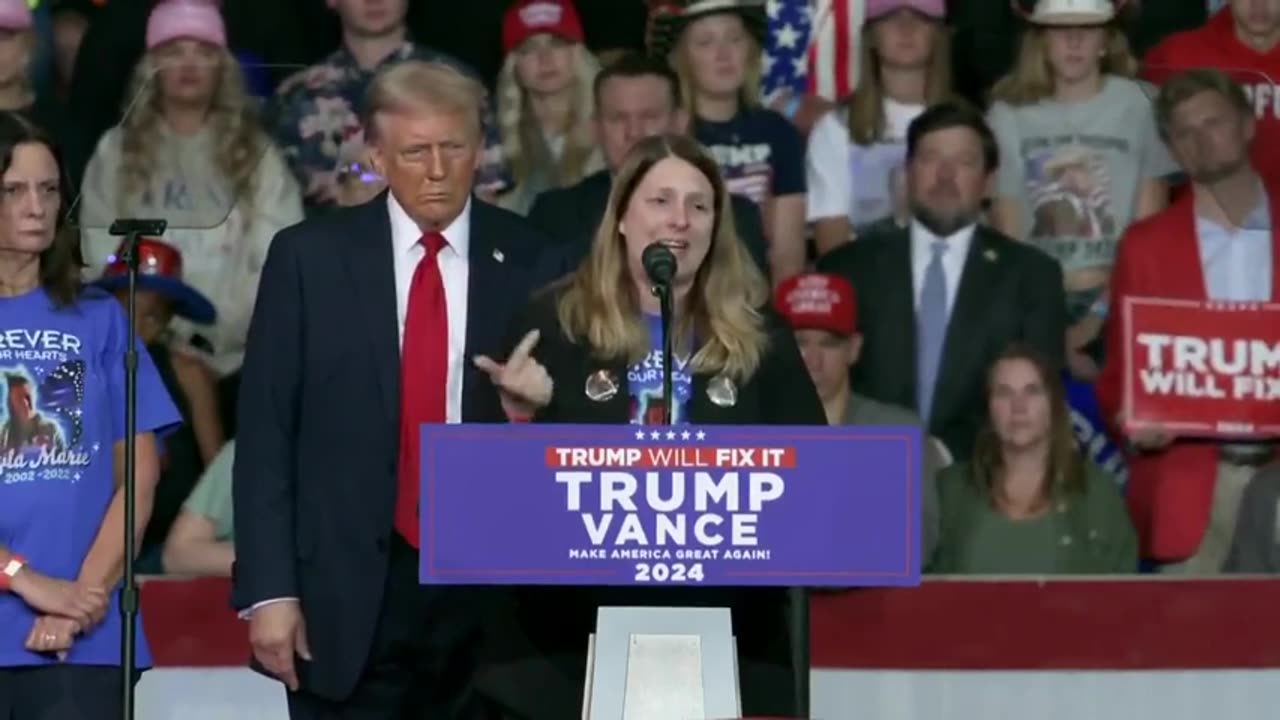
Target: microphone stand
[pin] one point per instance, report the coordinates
(663, 293)
(132, 230)
(800, 648)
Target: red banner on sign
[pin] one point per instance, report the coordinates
(1202, 368)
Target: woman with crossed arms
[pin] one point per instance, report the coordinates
(62, 446)
(591, 353)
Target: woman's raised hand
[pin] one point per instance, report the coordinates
(523, 383)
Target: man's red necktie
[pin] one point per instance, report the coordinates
(424, 378)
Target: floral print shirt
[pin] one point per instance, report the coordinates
(315, 114)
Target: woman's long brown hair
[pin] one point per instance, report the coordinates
(1064, 474)
(1031, 79)
(866, 119)
(600, 308)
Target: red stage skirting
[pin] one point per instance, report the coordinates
(1132, 624)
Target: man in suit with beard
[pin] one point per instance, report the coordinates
(942, 297)
(636, 97)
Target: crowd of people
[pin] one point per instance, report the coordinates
(387, 238)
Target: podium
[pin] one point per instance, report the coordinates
(670, 507)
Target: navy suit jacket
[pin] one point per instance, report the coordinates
(1009, 292)
(318, 437)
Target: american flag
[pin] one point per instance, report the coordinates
(811, 47)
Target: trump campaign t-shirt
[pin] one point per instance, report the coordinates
(1215, 45)
(64, 383)
(1076, 169)
(760, 153)
(644, 383)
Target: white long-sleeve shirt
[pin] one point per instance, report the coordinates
(223, 239)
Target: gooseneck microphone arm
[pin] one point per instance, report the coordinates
(660, 266)
(131, 230)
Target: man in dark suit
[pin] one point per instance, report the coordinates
(422, 278)
(636, 97)
(944, 296)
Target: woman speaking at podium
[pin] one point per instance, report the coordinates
(589, 350)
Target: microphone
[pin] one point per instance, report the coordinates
(659, 264)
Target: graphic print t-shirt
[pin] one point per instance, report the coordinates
(1076, 169)
(644, 382)
(864, 183)
(64, 388)
(760, 154)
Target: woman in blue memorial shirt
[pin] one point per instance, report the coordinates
(62, 446)
(589, 350)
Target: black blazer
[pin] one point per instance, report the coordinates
(571, 216)
(543, 659)
(1009, 291)
(314, 483)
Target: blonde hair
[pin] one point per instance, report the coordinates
(600, 306)
(866, 118)
(1031, 80)
(238, 141)
(418, 84)
(748, 94)
(523, 142)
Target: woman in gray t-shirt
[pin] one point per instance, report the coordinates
(1080, 157)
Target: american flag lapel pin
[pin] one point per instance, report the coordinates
(497, 255)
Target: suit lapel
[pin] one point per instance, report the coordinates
(487, 261)
(371, 265)
(597, 197)
(899, 316)
(1184, 251)
(973, 301)
(1273, 209)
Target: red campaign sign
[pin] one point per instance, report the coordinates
(1207, 369)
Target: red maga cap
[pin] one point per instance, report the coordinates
(818, 301)
(530, 17)
(154, 258)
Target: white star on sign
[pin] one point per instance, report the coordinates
(702, 435)
(787, 36)
(655, 435)
(801, 65)
(684, 435)
(773, 7)
(766, 64)
(639, 434)
(671, 435)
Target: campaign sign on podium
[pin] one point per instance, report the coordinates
(709, 505)
(669, 506)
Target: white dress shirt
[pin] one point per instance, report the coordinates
(1237, 261)
(407, 252)
(922, 240)
(452, 259)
